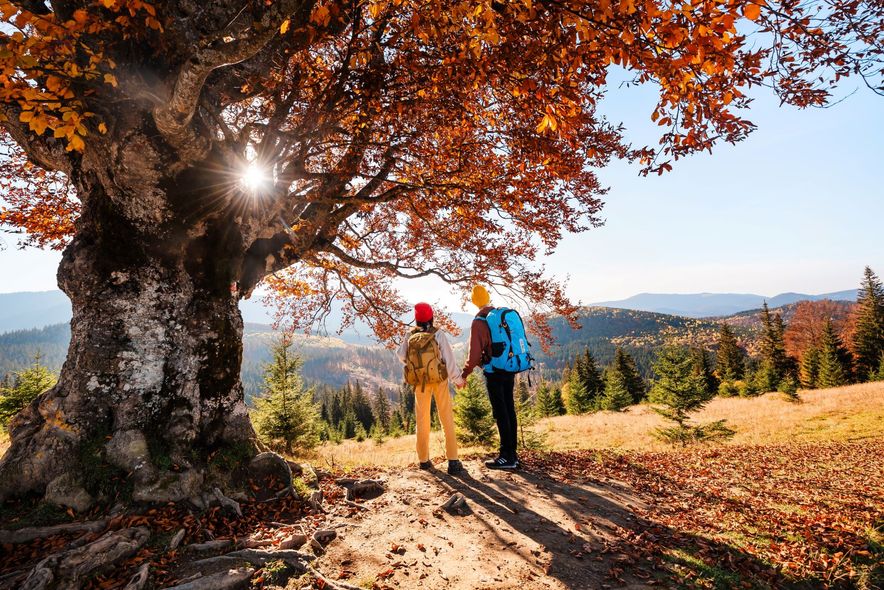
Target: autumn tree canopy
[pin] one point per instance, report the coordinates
(396, 138)
(183, 152)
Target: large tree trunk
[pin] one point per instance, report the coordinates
(150, 388)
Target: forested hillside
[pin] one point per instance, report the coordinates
(333, 361)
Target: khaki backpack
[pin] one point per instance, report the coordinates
(423, 359)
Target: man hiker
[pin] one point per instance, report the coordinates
(429, 364)
(500, 383)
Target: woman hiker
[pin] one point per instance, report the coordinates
(429, 365)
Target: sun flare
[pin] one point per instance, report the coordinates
(253, 178)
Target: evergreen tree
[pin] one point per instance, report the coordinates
(775, 364)
(589, 374)
(285, 415)
(472, 414)
(868, 337)
(729, 359)
(681, 391)
(362, 407)
(879, 374)
(523, 394)
(549, 401)
(527, 415)
(810, 368)
(625, 366)
(580, 400)
(834, 364)
(405, 408)
(22, 387)
(702, 366)
(617, 395)
(382, 411)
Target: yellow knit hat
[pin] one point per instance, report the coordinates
(480, 296)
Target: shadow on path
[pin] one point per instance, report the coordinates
(592, 538)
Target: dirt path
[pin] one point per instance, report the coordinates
(519, 531)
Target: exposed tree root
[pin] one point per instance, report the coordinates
(28, 534)
(139, 580)
(229, 580)
(65, 570)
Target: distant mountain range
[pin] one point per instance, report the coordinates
(354, 355)
(27, 310)
(705, 305)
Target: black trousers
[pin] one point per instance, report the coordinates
(500, 392)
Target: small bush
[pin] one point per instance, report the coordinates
(729, 388)
(789, 388)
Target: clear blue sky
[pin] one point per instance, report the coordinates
(798, 206)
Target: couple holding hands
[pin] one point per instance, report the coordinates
(497, 343)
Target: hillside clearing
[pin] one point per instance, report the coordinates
(843, 414)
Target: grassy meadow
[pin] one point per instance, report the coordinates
(843, 414)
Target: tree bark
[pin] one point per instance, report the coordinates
(151, 385)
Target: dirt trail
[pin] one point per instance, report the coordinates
(519, 531)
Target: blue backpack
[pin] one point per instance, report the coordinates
(510, 349)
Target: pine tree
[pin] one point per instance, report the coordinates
(834, 366)
(285, 415)
(527, 415)
(680, 390)
(775, 364)
(523, 394)
(580, 400)
(624, 364)
(549, 400)
(867, 343)
(362, 407)
(22, 387)
(382, 411)
(617, 395)
(702, 366)
(472, 414)
(729, 359)
(589, 374)
(405, 408)
(879, 374)
(810, 368)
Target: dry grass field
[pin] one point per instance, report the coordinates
(842, 414)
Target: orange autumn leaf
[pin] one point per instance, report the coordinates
(751, 11)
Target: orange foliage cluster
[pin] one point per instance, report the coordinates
(49, 72)
(808, 321)
(40, 202)
(455, 139)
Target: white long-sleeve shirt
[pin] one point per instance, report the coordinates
(444, 348)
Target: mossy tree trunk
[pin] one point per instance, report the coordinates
(151, 385)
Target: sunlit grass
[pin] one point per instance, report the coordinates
(846, 413)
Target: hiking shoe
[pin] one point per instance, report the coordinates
(425, 465)
(455, 467)
(501, 463)
(495, 463)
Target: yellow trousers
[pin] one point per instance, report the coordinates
(422, 399)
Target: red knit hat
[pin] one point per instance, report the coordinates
(423, 313)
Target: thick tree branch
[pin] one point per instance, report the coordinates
(43, 151)
(173, 118)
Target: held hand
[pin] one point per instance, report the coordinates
(460, 382)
